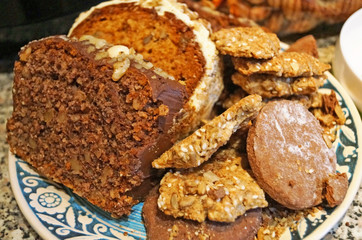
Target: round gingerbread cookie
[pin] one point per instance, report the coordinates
(288, 155)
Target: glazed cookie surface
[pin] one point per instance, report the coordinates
(288, 155)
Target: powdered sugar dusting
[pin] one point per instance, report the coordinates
(288, 140)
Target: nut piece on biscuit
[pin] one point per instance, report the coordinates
(199, 146)
(269, 86)
(220, 190)
(335, 189)
(288, 64)
(248, 42)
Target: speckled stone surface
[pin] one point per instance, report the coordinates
(13, 225)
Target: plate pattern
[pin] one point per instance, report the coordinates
(67, 216)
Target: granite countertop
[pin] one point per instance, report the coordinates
(13, 225)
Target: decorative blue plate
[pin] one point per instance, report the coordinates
(55, 212)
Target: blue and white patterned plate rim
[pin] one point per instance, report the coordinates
(317, 233)
(23, 204)
(354, 184)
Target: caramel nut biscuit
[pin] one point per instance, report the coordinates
(199, 146)
(161, 226)
(294, 173)
(220, 190)
(271, 86)
(247, 42)
(288, 64)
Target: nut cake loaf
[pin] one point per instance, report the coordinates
(92, 116)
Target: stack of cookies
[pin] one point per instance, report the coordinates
(296, 74)
(262, 70)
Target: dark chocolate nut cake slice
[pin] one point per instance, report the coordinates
(92, 116)
(162, 226)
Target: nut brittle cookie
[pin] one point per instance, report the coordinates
(220, 190)
(199, 146)
(248, 42)
(288, 64)
(272, 86)
(161, 226)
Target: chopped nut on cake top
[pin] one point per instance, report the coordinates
(248, 42)
(272, 86)
(199, 146)
(288, 64)
(220, 190)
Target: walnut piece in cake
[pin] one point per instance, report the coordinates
(199, 146)
(220, 190)
(288, 64)
(248, 42)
